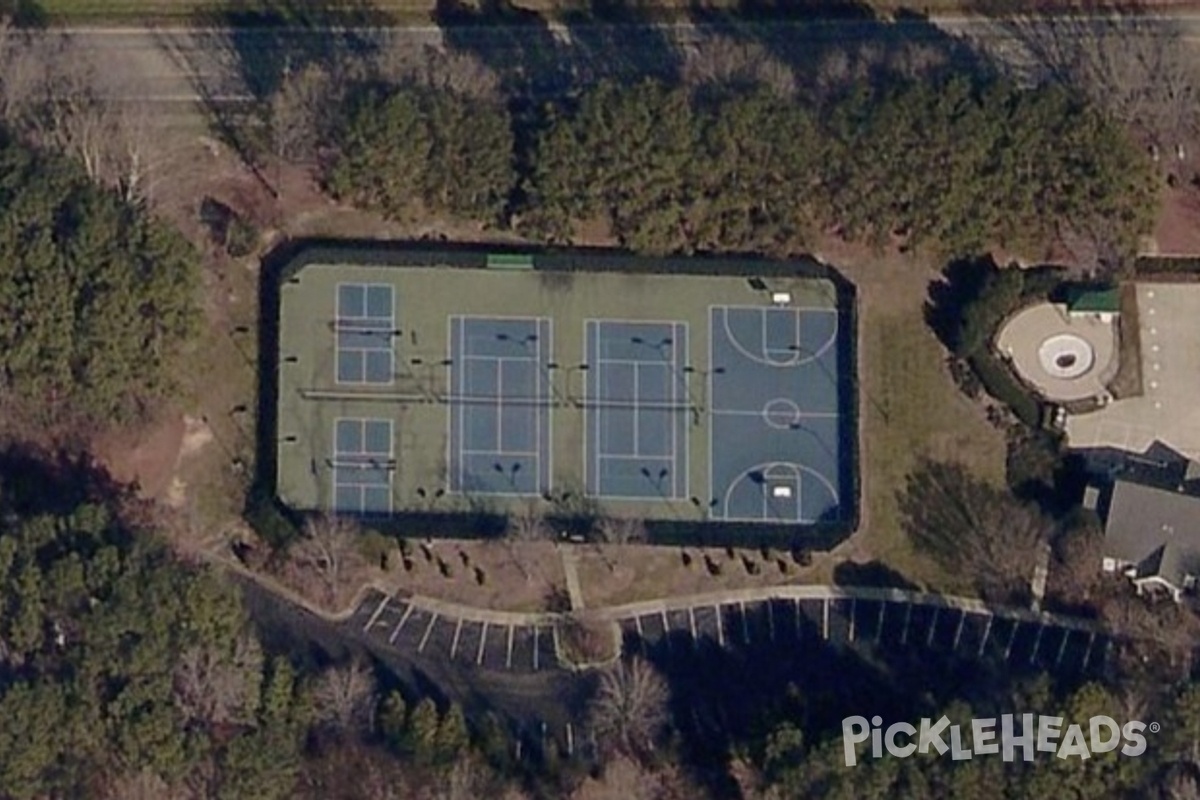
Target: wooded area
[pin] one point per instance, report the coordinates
(96, 297)
(955, 167)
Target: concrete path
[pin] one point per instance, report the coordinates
(570, 561)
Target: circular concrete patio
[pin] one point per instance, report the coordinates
(1064, 358)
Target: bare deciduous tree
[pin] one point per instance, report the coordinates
(1180, 785)
(327, 552)
(1134, 64)
(528, 524)
(217, 687)
(723, 60)
(974, 528)
(301, 112)
(344, 698)
(53, 93)
(143, 785)
(620, 530)
(629, 711)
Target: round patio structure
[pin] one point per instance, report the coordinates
(1065, 356)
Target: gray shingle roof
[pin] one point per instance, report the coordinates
(1156, 529)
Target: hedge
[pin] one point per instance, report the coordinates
(999, 382)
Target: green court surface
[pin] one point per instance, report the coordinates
(664, 391)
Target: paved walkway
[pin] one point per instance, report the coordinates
(570, 560)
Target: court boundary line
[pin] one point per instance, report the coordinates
(679, 350)
(714, 413)
(813, 355)
(337, 331)
(361, 487)
(541, 405)
(799, 470)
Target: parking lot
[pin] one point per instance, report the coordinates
(484, 639)
(929, 622)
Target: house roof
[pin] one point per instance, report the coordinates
(1156, 529)
(1085, 301)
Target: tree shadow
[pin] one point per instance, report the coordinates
(1126, 57)
(840, 45)
(24, 13)
(960, 285)
(871, 573)
(237, 55)
(536, 61)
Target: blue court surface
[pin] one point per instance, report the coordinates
(363, 466)
(774, 445)
(499, 412)
(637, 409)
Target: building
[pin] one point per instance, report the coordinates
(1151, 535)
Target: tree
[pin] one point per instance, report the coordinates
(620, 530)
(344, 699)
(1135, 65)
(328, 554)
(629, 710)
(96, 693)
(975, 530)
(218, 686)
(96, 298)
(452, 152)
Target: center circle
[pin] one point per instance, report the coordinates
(781, 413)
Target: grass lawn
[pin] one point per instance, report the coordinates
(904, 374)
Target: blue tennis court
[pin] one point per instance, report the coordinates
(775, 434)
(365, 323)
(499, 405)
(637, 409)
(363, 466)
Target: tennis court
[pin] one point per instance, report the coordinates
(637, 409)
(569, 386)
(363, 466)
(775, 434)
(499, 405)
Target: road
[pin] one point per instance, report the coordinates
(168, 64)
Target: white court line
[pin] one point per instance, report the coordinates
(525, 453)
(802, 414)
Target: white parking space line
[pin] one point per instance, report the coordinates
(879, 625)
(987, 630)
(932, 627)
(457, 633)
(428, 630)
(720, 627)
(692, 622)
(382, 605)
(1037, 642)
(770, 620)
(482, 639)
(508, 657)
(666, 628)
(400, 624)
(853, 606)
(1062, 648)
(1088, 653)
(1011, 638)
(825, 620)
(535, 647)
(907, 617)
(745, 624)
(962, 619)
